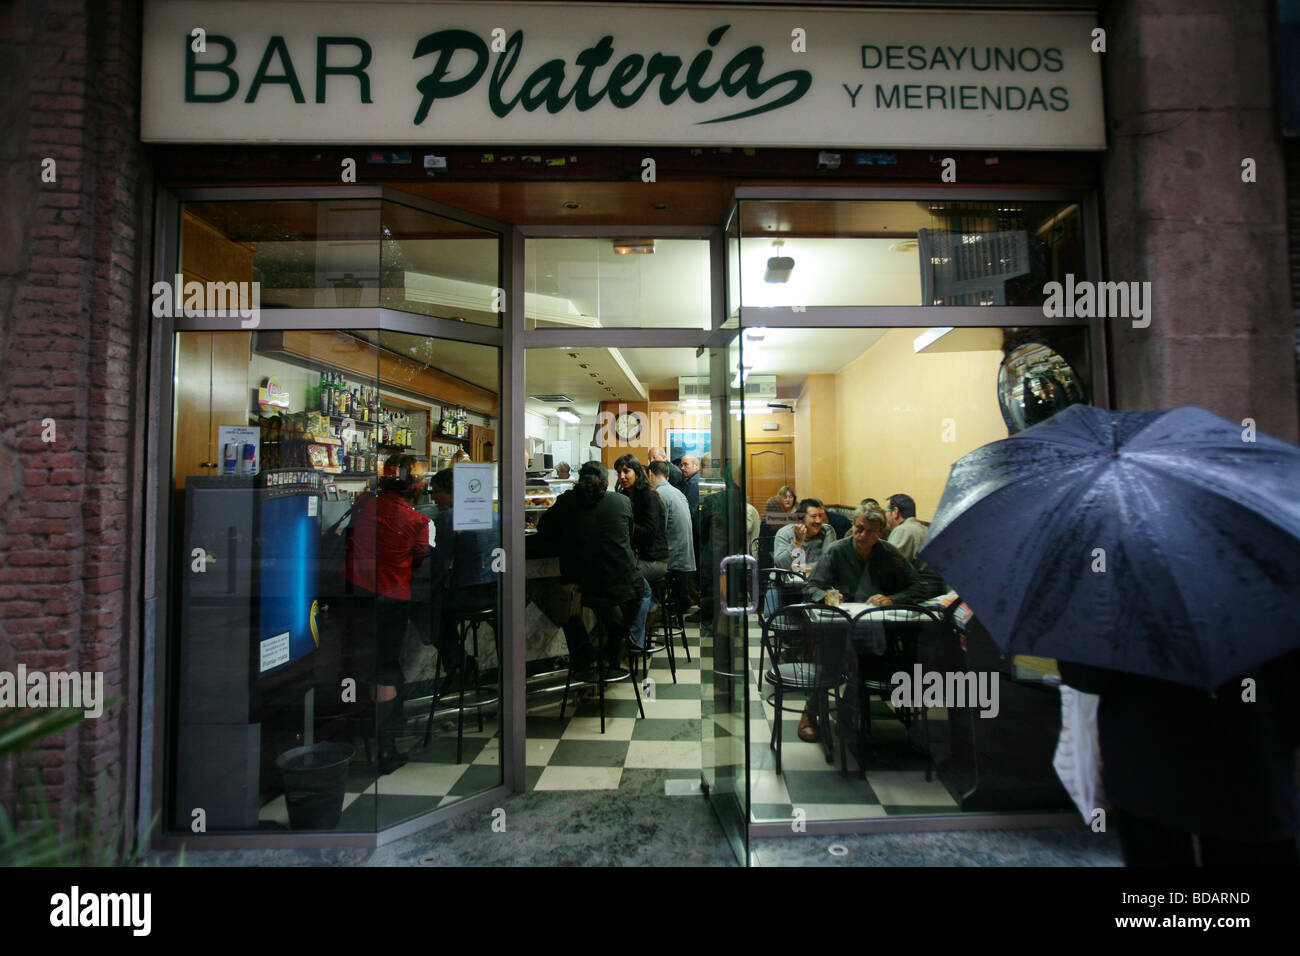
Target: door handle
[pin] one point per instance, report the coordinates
(752, 562)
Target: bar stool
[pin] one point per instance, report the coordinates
(467, 624)
(673, 613)
(659, 636)
(605, 675)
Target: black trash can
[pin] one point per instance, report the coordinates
(315, 779)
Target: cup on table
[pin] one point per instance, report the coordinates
(834, 597)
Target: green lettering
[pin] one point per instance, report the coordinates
(501, 72)
(193, 67)
(624, 70)
(276, 47)
(666, 66)
(589, 59)
(750, 61)
(435, 86)
(888, 101)
(543, 86)
(323, 70)
(1059, 94)
(909, 91)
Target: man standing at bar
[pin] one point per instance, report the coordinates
(681, 550)
(675, 476)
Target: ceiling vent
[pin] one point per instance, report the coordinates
(553, 399)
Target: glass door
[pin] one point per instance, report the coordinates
(725, 591)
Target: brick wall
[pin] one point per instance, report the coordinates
(71, 350)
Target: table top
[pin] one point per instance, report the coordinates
(853, 609)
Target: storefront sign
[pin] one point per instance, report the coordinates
(632, 74)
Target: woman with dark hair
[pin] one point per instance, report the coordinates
(650, 521)
(649, 533)
(591, 531)
(387, 541)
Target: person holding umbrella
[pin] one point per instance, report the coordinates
(1156, 556)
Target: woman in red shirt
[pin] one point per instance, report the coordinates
(388, 540)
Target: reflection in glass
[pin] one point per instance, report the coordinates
(877, 253)
(346, 253)
(603, 283)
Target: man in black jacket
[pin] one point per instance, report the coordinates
(591, 531)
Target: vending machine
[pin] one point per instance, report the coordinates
(246, 619)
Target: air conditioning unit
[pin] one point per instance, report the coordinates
(761, 388)
(692, 386)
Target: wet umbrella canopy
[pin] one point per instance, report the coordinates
(1158, 543)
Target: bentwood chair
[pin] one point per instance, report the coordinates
(805, 643)
(885, 641)
(779, 587)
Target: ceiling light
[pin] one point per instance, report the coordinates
(778, 267)
(568, 415)
(627, 247)
(570, 204)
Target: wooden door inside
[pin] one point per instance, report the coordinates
(768, 466)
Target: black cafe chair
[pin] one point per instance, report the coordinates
(785, 587)
(805, 643)
(882, 646)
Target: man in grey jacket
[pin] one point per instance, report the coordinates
(812, 534)
(681, 551)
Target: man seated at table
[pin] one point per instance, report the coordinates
(906, 533)
(812, 534)
(862, 569)
(866, 569)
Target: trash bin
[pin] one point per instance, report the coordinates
(315, 779)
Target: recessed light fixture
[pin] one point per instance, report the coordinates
(570, 204)
(628, 247)
(659, 205)
(585, 365)
(573, 355)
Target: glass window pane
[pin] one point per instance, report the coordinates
(321, 591)
(437, 266)
(881, 412)
(617, 283)
(875, 253)
(305, 254)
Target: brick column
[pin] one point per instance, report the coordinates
(71, 349)
(1189, 96)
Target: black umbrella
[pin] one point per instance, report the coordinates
(1158, 543)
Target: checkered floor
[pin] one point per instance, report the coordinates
(895, 783)
(637, 754)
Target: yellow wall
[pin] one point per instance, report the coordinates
(893, 410)
(816, 440)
